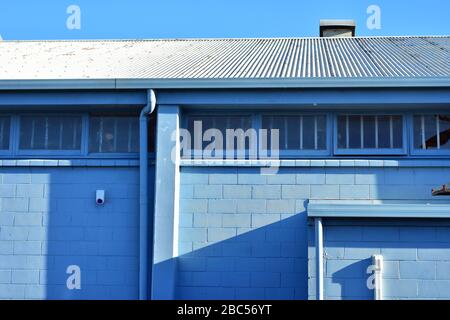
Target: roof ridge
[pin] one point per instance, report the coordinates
(219, 39)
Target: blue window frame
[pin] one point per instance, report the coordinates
(66, 135)
(300, 134)
(370, 134)
(430, 134)
(221, 122)
(49, 134)
(113, 134)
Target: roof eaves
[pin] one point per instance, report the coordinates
(73, 84)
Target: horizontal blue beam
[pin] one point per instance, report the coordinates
(74, 97)
(378, 210)
(309, 98)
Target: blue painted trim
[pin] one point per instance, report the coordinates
(318, 163)
(80, 99)
(166, 202)
(425, 211)
(379, 152)
(83, 152)
(312, 99)
(421, 152)
(55, 162)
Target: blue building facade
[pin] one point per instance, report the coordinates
(358, 157)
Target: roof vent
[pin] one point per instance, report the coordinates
(337, 28)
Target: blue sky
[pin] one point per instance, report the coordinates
(104, 19)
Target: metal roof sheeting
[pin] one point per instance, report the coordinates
(194, 59)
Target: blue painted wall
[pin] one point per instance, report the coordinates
(244, 235)
(49, 220)
(416, 257)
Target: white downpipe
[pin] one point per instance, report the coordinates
(377, 262)
(319, 258)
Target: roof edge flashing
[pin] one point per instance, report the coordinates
(51, 84)
(331, 210)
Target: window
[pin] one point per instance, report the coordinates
(370, 134)
(113, 134)
(298, 132)
(52, 132)
(233, 145)
(431, 132)
(5, 124)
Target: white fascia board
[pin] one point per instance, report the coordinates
(406, 210)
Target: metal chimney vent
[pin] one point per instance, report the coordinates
(337, 28)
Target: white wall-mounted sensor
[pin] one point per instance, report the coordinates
(100, 197)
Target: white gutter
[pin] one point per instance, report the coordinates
(143, 196)
(394, 82)
(377, 263)
(319, 258)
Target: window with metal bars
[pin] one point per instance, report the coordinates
(369, 134)
(113, 134)
(298, 132)
(5, 130)
(199, 127)
(431, 132)
(50, 132)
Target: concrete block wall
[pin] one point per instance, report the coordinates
(241, 235)
(349, 245)
(416, 259)
(49, 220)
(244, 235)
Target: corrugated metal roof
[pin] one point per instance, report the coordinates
(193, 59)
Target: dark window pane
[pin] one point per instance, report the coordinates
(278, 123)
(297, 132)
(321, 133)
(418, 132)
(50, 133)
(113, 134)
(354, 132)
(293, 132)
(369, 132)
(342, 132)
(430, 132)
(397, 132)
(384, 132)
(4, 133)
(222, 124)
(444, 128)
(308, 133)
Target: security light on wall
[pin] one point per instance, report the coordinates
(100, 197)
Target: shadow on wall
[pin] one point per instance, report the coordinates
(269, 262)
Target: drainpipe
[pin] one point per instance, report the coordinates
(377, 263)
(319, 258)
(143, 195)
